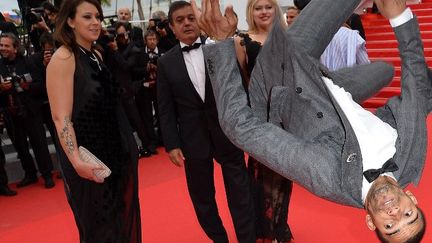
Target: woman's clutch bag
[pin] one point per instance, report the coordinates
(88, 157)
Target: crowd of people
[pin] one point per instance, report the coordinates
(93, 87)
(132, 55)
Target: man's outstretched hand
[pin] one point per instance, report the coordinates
(391, 8)
(211, 20)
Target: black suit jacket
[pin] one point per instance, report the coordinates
(186, 121)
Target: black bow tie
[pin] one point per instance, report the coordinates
(192, 47)
(373, 174)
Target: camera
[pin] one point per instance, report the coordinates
(162, 24)
(15, 80)
(153, 57)
(18, 97)
(107, 36)
(34, 15)
(159, 23)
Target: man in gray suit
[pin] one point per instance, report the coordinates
(305, 122)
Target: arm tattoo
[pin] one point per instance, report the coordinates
(66, 134)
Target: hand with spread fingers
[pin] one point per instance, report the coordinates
(212, 22)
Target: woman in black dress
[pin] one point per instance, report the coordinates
(86, 112)
(272, 191)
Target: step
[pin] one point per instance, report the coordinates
(388, 28)
(396, 61)
(395, 82)
(398, 71)
(388, 92)
(372, 44)
(391, 52)
(374, 102)
(423, 5)
(381, 21)
(391, 35)
(423, 11)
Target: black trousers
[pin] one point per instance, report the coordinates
(3, 174)
(134, 118)
(20, 128)
(49, 123)
(145, 99)
(200, 181)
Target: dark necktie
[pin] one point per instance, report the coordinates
(192, 47)
(372, 174)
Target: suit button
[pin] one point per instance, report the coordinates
(299, 90)
(324, 73)
(351, 157)
(320, 115)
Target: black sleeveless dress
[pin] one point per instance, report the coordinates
(106, 212)
(272, 192)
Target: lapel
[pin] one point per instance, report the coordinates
(183, 73)
(351, 178)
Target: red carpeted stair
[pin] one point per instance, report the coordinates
(382, 45)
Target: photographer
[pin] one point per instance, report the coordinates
(20, 89)
(167, 39)
(126, 60)
(135, 33)
(146, 96)
(38, 62)
(41, 20)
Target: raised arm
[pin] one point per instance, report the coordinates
(60, 86)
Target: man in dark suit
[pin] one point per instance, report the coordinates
(329, 144)
(20, 95)
(146, 96)
(192, 134)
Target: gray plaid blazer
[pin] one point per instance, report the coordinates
(295, 126)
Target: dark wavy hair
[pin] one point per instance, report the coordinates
(64, 33)
(50, 7)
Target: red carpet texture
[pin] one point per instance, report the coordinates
(41, 215)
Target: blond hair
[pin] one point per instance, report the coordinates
(249, 14)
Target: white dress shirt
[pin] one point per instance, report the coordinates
(156, 50)
(376, 138)
(194, 60)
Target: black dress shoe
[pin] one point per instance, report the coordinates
(144, 153)
(27, 181)
(6, 191)
(49, 183)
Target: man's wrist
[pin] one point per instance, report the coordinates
(402, 18)
(212, 40)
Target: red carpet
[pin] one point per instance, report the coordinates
(40, 215)
(382, 45)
